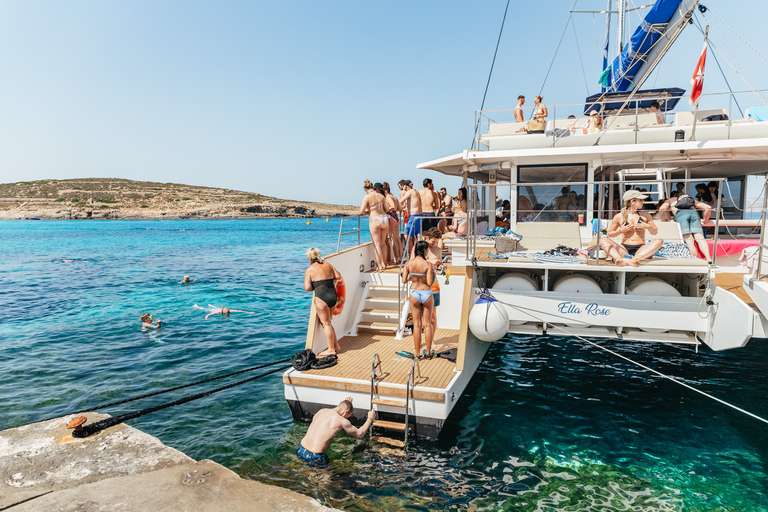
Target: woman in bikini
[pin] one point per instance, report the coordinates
(459, 225)
(631, 223)
(392, 206)
(319, 278)
(378, 221)
(421, 274)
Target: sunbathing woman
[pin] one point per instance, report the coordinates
(631, 224)
(378, 221)
(419, 271)
(319, 277)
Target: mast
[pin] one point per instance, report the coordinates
(607, 38)
(622, 26)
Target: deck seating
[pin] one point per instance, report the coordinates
(686, 118)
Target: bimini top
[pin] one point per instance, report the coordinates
(609, 103)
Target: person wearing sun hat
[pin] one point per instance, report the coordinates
(631, 224)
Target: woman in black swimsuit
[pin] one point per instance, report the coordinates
(319, 278)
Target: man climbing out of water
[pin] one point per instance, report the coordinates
(324, 427)
(223, 310)
(146, 322)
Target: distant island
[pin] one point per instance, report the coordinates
(114, 198)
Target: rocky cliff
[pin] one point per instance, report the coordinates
(113, 198)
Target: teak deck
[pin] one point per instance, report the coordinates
(357, 355)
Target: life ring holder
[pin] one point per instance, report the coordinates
(341, 296)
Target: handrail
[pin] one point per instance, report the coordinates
(374, 365)
(471, 239)
(341, 230)
(756, 271)
(409, 384)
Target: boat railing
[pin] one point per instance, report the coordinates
(558, 118)
(343, 233)
(479, 196)
(757, 266)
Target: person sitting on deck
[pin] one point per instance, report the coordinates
(519, 116)
(656, 109)
(631, 223)
(459, 225)
(325, 425)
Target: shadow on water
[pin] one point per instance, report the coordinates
(547, 422)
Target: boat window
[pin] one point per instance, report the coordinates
(732, 194)
(558, 202)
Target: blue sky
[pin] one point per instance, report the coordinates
(297, 99)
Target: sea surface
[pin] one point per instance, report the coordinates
(547, 423)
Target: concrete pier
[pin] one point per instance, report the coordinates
(42, 468)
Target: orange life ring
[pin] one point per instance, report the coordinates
(341, 294)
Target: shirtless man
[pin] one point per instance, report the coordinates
(324, 427)
(410, 200)
(631, 223)
(447, 202)
(519, 117)
(430, 204)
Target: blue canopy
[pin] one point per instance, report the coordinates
(631, 60)
(611, 102)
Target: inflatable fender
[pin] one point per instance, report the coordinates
(488, 319)
(341, 294)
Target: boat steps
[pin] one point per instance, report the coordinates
(373, 327)
(390, 425)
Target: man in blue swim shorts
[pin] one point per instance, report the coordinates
(410, 200)
(324, 427)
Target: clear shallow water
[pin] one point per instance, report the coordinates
(548, 423)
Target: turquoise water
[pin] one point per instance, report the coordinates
(547, 423)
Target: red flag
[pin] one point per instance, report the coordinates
(698, 77)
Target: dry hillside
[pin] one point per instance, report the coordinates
(114, 198)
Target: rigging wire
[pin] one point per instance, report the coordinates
(737, 35)
(490, 73)
(750, 83)
(578, 49)
(558, 47)
(638, 364)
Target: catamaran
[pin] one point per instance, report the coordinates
(564, 184)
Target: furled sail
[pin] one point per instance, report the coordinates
(665, 20)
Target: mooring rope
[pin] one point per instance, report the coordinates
(155, 393)
(638, 364)
(116, 420)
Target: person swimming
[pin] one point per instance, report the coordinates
(146, 322)
(186, 280)
(223, 310)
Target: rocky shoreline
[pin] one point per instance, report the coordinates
(109, 198)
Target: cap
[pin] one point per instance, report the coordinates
(633, 194)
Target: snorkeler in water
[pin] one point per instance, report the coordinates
(223, 310)
(146, 322)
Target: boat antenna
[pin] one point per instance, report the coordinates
(490, 73)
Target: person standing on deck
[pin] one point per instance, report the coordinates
(430, 204)
(319, 278)
(410, 201)
(324, 427)
(378, 221)
(421, 275)
(393, 207)
(446, 206)
(435, 258)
